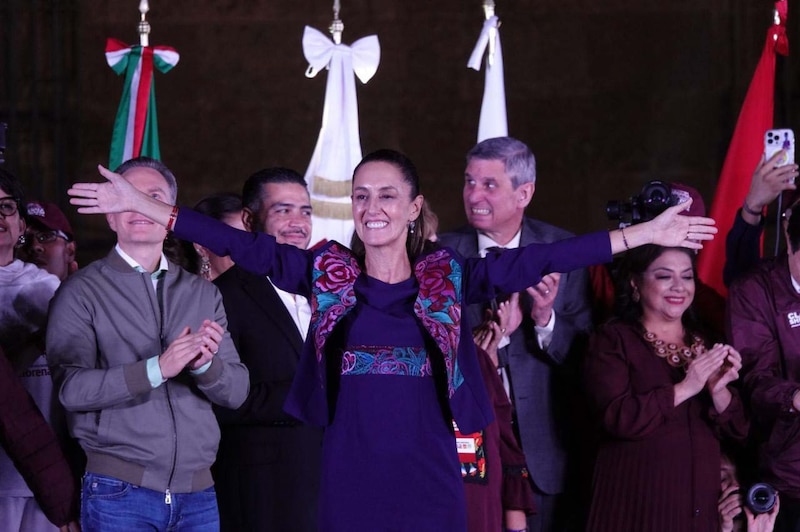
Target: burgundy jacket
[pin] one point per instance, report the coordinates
(763, 323)
(34, 449)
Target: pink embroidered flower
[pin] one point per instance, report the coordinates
(336, 273)
(348, 362)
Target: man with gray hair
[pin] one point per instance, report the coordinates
(534, 358)
(139, 351)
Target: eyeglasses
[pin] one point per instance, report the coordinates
(44, 237)
(8, 206)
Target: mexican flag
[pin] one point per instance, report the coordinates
(136, 126)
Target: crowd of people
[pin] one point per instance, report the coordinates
(217, 371)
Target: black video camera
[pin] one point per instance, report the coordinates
(655, 198)
(760, 498)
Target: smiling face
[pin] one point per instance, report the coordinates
(48, 249)
(491, 203)
(285, 213)
(666, 287)
(11, 227)
(382, 205)
(134, 229)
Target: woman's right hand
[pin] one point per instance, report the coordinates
(115, 195)
(699, 371)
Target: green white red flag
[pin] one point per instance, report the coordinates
(136, 126)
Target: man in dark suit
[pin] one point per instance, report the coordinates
(534, 358)
(267, 471)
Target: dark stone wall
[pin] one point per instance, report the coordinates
(608, 94)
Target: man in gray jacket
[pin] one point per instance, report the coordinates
(139, 351)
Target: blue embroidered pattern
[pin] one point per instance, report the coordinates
(370, 360)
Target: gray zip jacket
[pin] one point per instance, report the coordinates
(105, 322)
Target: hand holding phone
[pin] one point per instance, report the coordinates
(776, 140)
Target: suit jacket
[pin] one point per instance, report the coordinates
(268, 466)
(542, 382)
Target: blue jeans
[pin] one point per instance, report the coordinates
(111, 504)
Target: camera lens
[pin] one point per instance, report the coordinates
(760, 498)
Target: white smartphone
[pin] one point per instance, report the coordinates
(779, 139)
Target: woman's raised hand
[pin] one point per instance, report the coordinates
(115, 195)
(672, 229)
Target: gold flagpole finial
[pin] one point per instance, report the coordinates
(337, 26)
(144, 26)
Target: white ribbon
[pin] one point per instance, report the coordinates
(338, 148)
(494, 120)
(488, 37)
(319, 50)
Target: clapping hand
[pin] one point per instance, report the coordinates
(727, 372)
(498, 324)
(544, 295)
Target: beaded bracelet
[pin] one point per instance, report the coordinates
(624, 240)
(172, 217)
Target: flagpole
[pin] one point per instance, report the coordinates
(144, 26)
(337, 26)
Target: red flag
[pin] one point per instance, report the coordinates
(745, 150)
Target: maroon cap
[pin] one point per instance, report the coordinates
(683, 193)
(50, 216)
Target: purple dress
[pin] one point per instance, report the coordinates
(387, 385)
(386, 367)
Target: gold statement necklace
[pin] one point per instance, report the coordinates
(677, 356)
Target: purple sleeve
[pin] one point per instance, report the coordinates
(287, 266)
(516, 269)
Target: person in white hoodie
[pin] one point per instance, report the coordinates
(25, 293)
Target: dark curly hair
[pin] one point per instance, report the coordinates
(631, 270)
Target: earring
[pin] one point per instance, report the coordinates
(21, 240)
(205, 268)
(412, 225)
(635, 295)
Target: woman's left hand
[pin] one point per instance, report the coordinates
(673, 229)
(728, 372)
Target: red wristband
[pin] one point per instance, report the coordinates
(172, 217)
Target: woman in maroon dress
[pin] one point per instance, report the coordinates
(660, 390)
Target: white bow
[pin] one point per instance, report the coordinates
(488, 37)
(318, 49)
